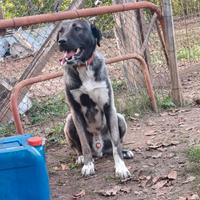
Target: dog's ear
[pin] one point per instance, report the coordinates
(96, 33)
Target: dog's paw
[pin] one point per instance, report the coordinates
(80, 160)
(88, 169)
(121, 171)
(127, 154)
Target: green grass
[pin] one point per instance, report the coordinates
(165, 102)
(118, 85)
(49, 114)
(55, 134)
(130, 105)
(7, 130)
(43, 111)
(193, 166)
(183, 54)
(193, 155)
(189, 53)
(73, 165)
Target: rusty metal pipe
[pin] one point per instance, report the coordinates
(15, 94)
(52, 17)
(146, 74)
(18, 88)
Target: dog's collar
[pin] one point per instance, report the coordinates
(88, 62)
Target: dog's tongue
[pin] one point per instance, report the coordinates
(67, 55)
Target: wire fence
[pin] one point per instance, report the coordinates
(42, 106)
(187, 28)
(186, 15)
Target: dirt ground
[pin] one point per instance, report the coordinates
(159, 168)
(160, 142)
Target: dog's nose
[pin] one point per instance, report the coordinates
(62, 41)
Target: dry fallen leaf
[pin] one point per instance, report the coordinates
(158, 155)
(189, 179)
(172, 114)
(193, 197)
(110, 192)
(137, 192)
(133, 118)
(153, 145)
(151, 123)
(56, 168)
(189, 128)
(64, 167)
(156, 145)
(125, 190)
(160, 184)
(126, 179)
(162, 149)
(190, 197)
(182, 198)
(170, 143)
(146, 181)
(150, 133)
(156, 179)
(170, 155)
(79, 195)
(172, 175)
(160, 181)
(113, 191)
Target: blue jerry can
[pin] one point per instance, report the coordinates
(23, 171)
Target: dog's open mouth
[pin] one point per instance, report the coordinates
(71, 55)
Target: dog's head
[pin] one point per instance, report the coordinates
(78, 39)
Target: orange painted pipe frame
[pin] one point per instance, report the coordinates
(18, 88)
(72, 14)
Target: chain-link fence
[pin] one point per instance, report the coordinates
(32, 50)
(186, 16)
(187, 29)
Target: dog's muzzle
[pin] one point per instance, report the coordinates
(72, 55)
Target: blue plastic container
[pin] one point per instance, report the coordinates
(23, 171)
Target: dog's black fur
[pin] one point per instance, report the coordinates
(79, 39)
(93, 126)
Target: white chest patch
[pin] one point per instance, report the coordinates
(97, 90)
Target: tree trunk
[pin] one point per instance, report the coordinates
(129, 41)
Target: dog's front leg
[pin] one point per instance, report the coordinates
(112, 122)
(88, 167)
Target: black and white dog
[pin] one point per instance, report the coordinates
(93, 126)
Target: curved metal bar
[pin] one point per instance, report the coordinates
(146, 74)
(15, 94)
(72, 14)
(18, 88)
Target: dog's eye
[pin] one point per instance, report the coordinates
(77, 28)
